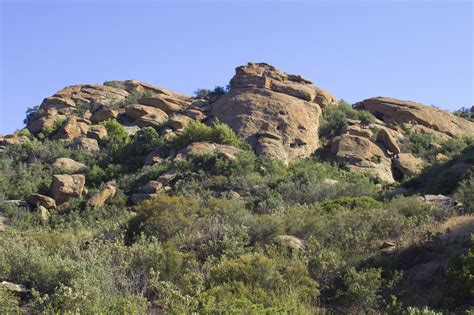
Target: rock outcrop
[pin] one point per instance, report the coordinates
(361, 155)
(64, 187)
(105, 194)
(276, 113)
(405, 115)
(69, 166)
(225, 152)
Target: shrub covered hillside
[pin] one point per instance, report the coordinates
(267, 197)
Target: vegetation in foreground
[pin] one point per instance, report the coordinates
(248, 235)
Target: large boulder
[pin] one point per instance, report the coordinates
(166, 103)
(106, 193)
(72, 128)
(68, 165)
(87, 144)
(97, 132)
(64, 187)
(225, 152)
(103, 113)
(41, 200)
(390, 142)
(73, 95)
(405, 115)
(135, 86)
(361, 155)
(407, 163)
(276, 113)
(146, 115)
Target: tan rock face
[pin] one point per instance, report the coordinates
(405, 114)
(363, 156)
(97, 132)
(358, 131)
(45, 201)
(86, 144)
(166, 103)
(136, 111)
(86, 94)
(64, 187)
(277, 113)
(199, 148)
(407, 163)
(106, 193)
(72, 128)
(103, 114)
(69, 165)
(386, 137)
(134, 86)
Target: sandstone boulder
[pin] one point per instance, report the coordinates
(356, 130)
(103, 114)
(146, 114)
(152, 187)
(153, 157)
(64, 187)
(40, 123)
(69, 166)
(72, 128)
(43, 214)
(165, 103)
(87, 144)
(225, 152)
(407, 163)
(277, 113)
(105, 194)
(139, 198)
(85, 94)
(177, 121)
(405, 115)
(389, 140)
(361, 155)
(134, 86)
(97, 132)
(12, 287)
(290, 242)
(41, 200)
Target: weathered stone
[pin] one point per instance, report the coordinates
(388, 139)
(64, 187)
(153, 157)
(407, 115)
(168, 176)
(225, 152)
(39, 124)
(136, 111)
(72, 128)
(106, 193)
(178, 121)
(290, 242)
(165, 103)
(407, 163)
(263, 100)
(12, 287)
(363, 156)
(97, 132)
(2, 224)
(358, 131)
(45, 201)
(195, 114)
(103, 114)
(43, 214)
(152, 187)
(69, 165)
(133, 86)
(87, 144)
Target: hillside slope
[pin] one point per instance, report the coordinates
(270, 195)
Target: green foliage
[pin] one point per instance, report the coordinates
(461, 275)
(465, 194)
(196, 131)
(31, 113)
(361, 289)
(209, 94)
(116, 134)
(50, 130)
(334, 118)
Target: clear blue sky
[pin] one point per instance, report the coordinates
(415, 50)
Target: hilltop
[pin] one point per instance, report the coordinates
(268, 195)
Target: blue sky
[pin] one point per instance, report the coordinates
(415, 50)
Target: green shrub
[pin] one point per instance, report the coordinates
(465, 194)
(196, 131)
(334, 118)
(50, 130)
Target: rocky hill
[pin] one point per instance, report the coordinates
(226, 180)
